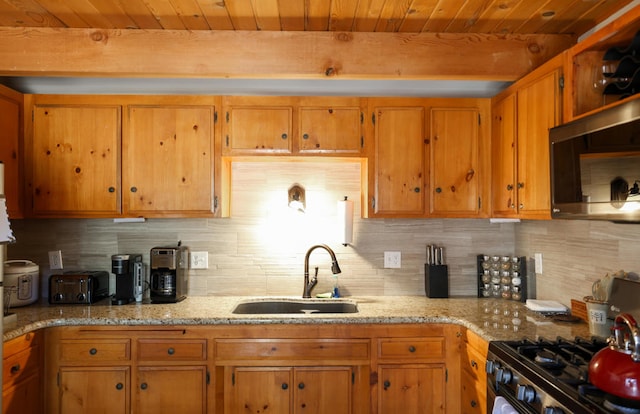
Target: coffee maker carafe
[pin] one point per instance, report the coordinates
(169, 267)
(129, 273)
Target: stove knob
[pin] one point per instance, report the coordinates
(503, 376)
(58, 297)
(490, 366)
(553, 410)
(525, 393)
(81, 297)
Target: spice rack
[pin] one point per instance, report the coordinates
(502, 277)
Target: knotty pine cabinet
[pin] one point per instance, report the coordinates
(21, 375)
(430, 157)
(473, 374)
(119, 156)
(11, 119)
(522, 117)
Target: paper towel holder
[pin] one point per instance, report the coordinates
(345, 221)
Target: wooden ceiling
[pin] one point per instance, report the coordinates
(572, 17)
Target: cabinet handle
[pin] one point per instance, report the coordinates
(301, 386)
(386, 384)
(171, 351)
(438, 190)
(93, 351)
(284, 385)
(474, 364)
(412, 348)
(112, 189)
(469, 175)
(284, 136)
(305, 136)
(119, 386)
(143, 386)
(509, 187)
(15, 369)
(134, 189)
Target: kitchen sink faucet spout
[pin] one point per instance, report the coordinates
(309, 285)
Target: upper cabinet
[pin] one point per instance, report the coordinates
(292, 126)
(522, 117)
(11, 111)
(121, 156)
(429, 158)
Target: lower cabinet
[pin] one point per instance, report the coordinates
(93, 389)
(411, 388)
(171, 389)
(473, 376)
(22, 379)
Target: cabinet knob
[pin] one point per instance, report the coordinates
(93, 351)
(416, 190)
(171, 351)
(474, 403)
(143, 386)
(112, 189)
(520, 185)
(474, 364)
(305, 136)
(301, 385)
(284, 136)
(386, 384)
(469, 175)
(285, 386)
(412, 348)
(15, 369)
(134, 189)
(521, 206)
(119, 386)
(438, 190)
(509, 187)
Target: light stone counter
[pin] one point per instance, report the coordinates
(493, 319)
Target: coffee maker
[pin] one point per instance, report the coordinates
(129, 272)
(169, 266)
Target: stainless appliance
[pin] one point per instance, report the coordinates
(544, 376)
(169, 266)
(128, 270)
(78, 287)
(595, 166)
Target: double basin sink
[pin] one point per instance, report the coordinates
(269, 306)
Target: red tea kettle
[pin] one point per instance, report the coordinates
(616, 368)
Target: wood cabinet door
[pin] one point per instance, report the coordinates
(454, 162)
(398, 178)
(538, 111)
(503, 157)
(411, 389)
(84, 390)
(167, 162)
(171, 389)
(252, 390)
(258, 130)
(322, 390)
(74, 162)
(24, 397)
(10, 119)
(330, 130)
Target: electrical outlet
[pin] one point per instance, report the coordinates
(392, 260)
(199, 260)
(538, 263)
(55, 260)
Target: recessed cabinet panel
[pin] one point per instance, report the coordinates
(320, 390)
(10, 118)
(93, 389)
(74, 160)
(258, 130)
(171, 389)
(251, 389)
(168, 160)
(411, 389)
(503, 157)
(330, 130)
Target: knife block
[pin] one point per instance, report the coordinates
(436, 281)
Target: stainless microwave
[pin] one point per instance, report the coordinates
(595, 166)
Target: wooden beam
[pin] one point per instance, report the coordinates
(270, 54)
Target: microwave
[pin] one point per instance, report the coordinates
(595, 166)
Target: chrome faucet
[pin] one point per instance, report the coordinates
(309, 285)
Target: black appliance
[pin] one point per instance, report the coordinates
(169, 267)
(549, 377)
(127, 268)
(78, 287)
(595, 166)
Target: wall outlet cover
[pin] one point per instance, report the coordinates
(392, 260)
(199, 260)
(55, 260)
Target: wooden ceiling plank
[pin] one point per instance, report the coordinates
(62, 11)
(27, 13)
(367, 15)
(317, 15)
(468, 15)
(496, 12)
(342, 15)
(519, 16)
(417, 16)
(216, 14)
(291, 15)
(392, 16)
(113, 12)
(267, 14)
(140, 14)
(165, 14)
(190, 13)
(588, 18)
(442, 15)
(86, 10)
(270, 54)
(241, 13)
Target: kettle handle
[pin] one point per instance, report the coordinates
(622, 320)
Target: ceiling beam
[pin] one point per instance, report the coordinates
(271, 54)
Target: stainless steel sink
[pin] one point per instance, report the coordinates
(294, 306)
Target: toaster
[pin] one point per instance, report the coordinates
(78, 287)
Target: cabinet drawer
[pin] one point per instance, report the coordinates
(20, 365)
(98, 350)
(172, 350)
(474, 393)
(291, 349)
(413, 348)
(473, 362)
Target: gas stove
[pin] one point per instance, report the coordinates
(549, 377)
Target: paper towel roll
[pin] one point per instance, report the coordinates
(345, 221)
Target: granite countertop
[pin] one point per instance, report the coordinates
(493, 319)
